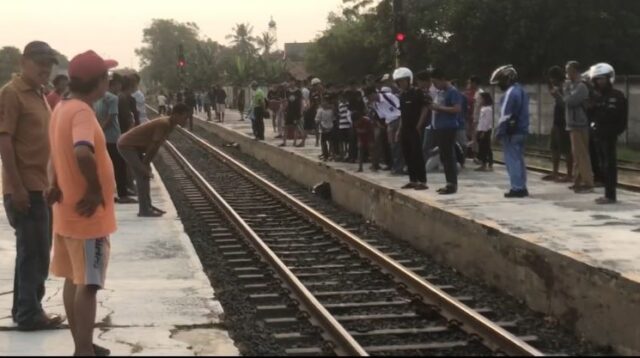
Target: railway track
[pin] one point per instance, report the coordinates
(343, 295)
(626, 169)
(625, 166)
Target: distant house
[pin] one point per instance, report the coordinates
(294, 56)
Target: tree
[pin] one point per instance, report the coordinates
(466, 37)
(9, 63)
(265, 43)
(242, 39)
(159, 57)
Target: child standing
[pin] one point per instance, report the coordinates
(484, 131)
(364, 131)
(324, 122)
(345, 127)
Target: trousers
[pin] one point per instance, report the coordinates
(33, 247)
(513, 147)
(607, 149)
(133, 157)
(446, 140)
(412, 152)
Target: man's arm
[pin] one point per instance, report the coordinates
(151, 151)
(88, 205)
(423, 119)
(9, 113)
(8, 154)
(577, 96)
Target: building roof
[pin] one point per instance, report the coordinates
(295, 51)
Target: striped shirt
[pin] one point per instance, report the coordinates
(345, 116)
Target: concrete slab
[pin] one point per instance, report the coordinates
(158, 301)
(557, 251)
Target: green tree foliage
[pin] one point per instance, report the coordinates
(208, 62)
(265, 43)
(474, 36)
(9, 63)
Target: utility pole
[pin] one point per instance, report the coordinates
(400, 31)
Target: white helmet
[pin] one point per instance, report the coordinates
(603, 70)
(508, 72)
(401, 73)
(315, 81)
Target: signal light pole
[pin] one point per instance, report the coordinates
(400, 27)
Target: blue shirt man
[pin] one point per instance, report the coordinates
(449, 97)
(106, 110)
(514, 104)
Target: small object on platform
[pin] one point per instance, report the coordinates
(323, 190)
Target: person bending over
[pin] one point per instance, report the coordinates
(140, 145)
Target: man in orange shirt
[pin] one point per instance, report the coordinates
(140, 145)
(82, 188)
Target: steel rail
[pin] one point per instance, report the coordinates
(344, 343)
(490, 334)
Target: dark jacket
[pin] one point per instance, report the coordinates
(610, 112)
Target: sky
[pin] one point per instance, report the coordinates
(113, 28)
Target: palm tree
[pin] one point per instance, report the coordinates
(265, 43)
(242, 39)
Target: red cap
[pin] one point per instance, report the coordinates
(89, 65)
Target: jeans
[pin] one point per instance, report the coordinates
(397, 159)
(412, 151)
(258, 122)
(446, 140)
(608, 160)
(33, 248)
(133, 158)
(514, 159)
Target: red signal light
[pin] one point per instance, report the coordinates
(400, 37)
(181, 63)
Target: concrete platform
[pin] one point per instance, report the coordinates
(158, 301)
(559, 252)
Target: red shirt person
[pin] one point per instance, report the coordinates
(60, 84)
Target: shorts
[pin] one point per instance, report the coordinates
(220, 107)
(82, 261)
(560, 141)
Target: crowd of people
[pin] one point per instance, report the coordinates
(70, 152)
(412, 124)
(212, 101)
